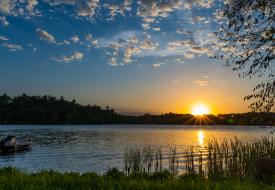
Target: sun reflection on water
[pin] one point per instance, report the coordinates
(201, 138)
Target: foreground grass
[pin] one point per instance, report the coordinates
(49, 180)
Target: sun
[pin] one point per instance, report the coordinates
(200, 109)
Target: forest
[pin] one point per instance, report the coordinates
(25, 109)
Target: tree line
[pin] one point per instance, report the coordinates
(46, 109)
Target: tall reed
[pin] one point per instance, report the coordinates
(231, 157)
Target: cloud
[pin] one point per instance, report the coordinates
(198, 19)
(147, 45)
(12, 47)
(59, 2)
(74, 39)
(18, 7)
(201, 3)
(156, 29)
(95, 42)
(4, 21)
(158, 64)
(189, 48)
(3, 38)
(113, 62)
(134, 40)
(129, 52)
(87, 8)
(76, 56)
(31, 5)
(116, 9)
(145, 26)
(183, 31)
(188, 55)
(34, 50)
(150, 8)
(7, 6)
(148, 20)
(44, 35)
(66, 42)
(89, 37)
(201, 82)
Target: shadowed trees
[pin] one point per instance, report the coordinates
(247, 36)
(26, 109)
(48, 109)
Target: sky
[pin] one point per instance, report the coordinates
(144, 56)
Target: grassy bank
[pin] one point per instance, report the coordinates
(17, 180)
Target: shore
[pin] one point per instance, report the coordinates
(11, 178)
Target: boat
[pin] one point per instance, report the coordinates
(11, 144)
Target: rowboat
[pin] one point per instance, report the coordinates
(11, 144)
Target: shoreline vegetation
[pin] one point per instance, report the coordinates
(216, 159)
(11, 178)
(46, 109)
(227, 164)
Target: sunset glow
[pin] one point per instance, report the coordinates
(201, 137)
(200, 109)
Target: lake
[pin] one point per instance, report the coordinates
(86, 148)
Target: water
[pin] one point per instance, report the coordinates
(86, 148)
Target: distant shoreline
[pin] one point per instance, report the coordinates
(132, 124)
(49, 110)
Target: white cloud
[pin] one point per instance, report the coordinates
(7, 6)
(66, 42)
(76, 56)
(18, 7)
(201, 82)
(134, 40)
(113, 62)
(44, 35)
(198, 19)
(95, 42)
(158, 64)
(183, 31)
(87, 8)
(3, 38)
(147, 45)
(34, 50)
(188, 55)
(189, 48)
(129, 52)
(148, 19)
(89, 37)
(156, 29)
(12, 47)
(145, 26)
(120, 8)
(149, 8)
(59, 2)
(4, 21)
(31, 5)
(74, 39)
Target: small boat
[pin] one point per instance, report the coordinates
(12, 144)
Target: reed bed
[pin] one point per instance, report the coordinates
(231, 157)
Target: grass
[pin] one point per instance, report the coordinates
(14, 179)
(217, 159)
